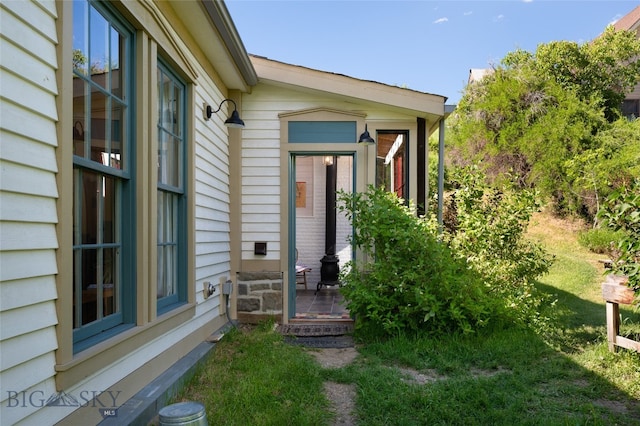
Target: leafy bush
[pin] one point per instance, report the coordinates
(599, 240)
(408, 280)
(621, 212)
(489, 235)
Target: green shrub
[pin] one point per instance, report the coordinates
(408, 280)
(599, 240)
(489, 235)
(621, 212)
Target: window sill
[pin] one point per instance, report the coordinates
(97, 357)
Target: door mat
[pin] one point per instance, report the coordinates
(321, 342)
(308, 329)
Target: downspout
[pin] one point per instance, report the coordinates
(440, 174)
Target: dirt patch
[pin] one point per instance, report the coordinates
(341, 396)
(343, 400)
(421, 378)
(613, 406)
(430, 376)
(334, 357)
(477, 372)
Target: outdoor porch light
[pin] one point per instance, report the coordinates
(233, 121)
(327, 160)
(366, 138)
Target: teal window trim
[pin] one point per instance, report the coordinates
(322, 132)
(172, 203)
(123, 279)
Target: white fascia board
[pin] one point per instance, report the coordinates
(212, 29)
(422, 104)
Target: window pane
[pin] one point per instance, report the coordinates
(116, 58)
(168, 159)
(80, 39)
(89, 199)
(177, 111)
(160, 270)
(110, 281)
(166, 101)
(167, 244)
(96, 246)
(391, 163)
(99, 131)
(80, 90)
(88, 286)
(98, 48)
(110, 215)
(117, 134)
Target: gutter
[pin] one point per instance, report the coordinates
(221, 19)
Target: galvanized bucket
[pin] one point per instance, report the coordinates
(183, 414)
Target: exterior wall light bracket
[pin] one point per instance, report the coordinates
(234, 119)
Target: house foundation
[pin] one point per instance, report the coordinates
(259, 296)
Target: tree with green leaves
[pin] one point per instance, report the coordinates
(549, 116)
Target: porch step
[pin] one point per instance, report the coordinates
(307, 329)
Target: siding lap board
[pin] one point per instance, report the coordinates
(27, 200)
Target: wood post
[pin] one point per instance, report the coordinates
(614, 292)
(613, 324)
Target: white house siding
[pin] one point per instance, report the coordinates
(261, 155)
(212, 195)
(28, 195)
(260, 176)
(28, 218)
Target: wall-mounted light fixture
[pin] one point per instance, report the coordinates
(366, 138)
(234, 119)
(327, 160)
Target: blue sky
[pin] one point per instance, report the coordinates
(423, 45)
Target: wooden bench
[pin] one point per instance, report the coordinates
(301, 274)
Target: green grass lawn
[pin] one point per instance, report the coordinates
(506, 377)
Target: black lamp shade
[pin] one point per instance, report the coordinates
(366, 138)
(235, 120)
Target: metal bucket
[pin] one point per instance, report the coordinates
(183, 414)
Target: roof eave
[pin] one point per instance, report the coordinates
(422, 104)
(213, 30)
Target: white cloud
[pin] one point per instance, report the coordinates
(468, 13)
(527, 1)
(440, 20)
(498, 18)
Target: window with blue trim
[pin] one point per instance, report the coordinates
(103, 179)
(171, 229)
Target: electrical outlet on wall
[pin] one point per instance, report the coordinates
(227, 287)
(208, 289)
